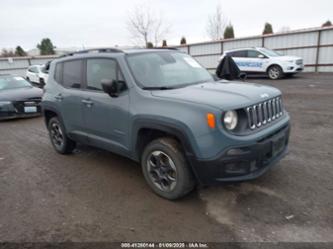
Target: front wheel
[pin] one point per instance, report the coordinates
(61, 143)
(275, 72)
(165, 169)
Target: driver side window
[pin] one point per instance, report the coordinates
(101, 69)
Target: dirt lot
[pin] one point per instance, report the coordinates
(95, 195)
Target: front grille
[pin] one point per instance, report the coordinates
(19, 105)
(36, 99)
(299, 62)
(264, 113)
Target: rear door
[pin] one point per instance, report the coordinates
(106, 119)
(239, 57)
(69, 96)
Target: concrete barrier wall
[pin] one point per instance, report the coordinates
(19, 65)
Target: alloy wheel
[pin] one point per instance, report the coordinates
(274, 73)
(57, 135)
(162, 171)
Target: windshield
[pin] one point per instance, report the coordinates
(166, 69)
(10, 82)
(270, 52)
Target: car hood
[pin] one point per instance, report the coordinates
(224, 95)
(18, 94)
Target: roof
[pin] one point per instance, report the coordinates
(243, 48)
(115, 51)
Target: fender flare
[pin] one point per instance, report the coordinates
(173, 127)
(46, 108)
(170, 126)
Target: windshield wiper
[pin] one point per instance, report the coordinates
(157, 88)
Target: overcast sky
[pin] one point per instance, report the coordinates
(93, 23)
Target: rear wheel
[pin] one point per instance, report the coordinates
(61, 143)
(275, 72)
(166, 170)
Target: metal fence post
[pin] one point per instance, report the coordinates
(317, 51)
(221, 47)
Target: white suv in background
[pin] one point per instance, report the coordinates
(37, 74)
(266, 61)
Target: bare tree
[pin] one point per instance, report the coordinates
(216, 24)
(145, 26)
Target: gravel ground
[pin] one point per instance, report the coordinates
(94, 195)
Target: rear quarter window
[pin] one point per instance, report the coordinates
(58, 73)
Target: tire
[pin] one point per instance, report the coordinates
(61, 143)
(275, 72)
(177, 177)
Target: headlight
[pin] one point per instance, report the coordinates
(292, 61)
(230, 120)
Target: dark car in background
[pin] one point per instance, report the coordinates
(18, 98)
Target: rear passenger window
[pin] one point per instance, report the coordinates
(241, 53)
(98, 70)
(72, 74)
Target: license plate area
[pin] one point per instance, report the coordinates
(278, 144)
(30, 109)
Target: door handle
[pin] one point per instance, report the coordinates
(87, 102)
(59, 97)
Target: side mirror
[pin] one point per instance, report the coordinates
(113, 87)
(261, 56)
(243, 76)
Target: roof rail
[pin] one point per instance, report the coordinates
(169, 48)
(93, 50)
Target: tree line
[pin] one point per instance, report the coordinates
(45, 47)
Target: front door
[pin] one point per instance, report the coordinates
(106, 118)
(255, 61)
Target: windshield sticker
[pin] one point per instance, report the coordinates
(192, 62)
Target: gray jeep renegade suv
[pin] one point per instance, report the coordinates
(163, 109)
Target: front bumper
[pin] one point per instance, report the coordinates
(243, 163)
(293, 68)
(18, 110)
(11, 115)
